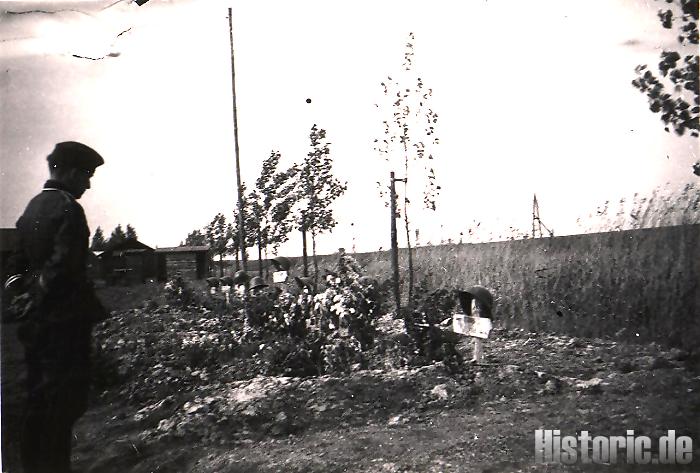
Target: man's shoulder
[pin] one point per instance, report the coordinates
(56, 197)
(52, 203)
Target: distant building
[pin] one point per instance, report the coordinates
(190, 262)
(128, 262)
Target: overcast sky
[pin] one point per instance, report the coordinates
(532, 97)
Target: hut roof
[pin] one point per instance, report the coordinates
(183, 249)
(129, 244)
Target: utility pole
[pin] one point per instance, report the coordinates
(394, 243)
(241, 228)
(304, 252)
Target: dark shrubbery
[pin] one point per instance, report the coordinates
(268, 332)
(422, 322)
(179, 294)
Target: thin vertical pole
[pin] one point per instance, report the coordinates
(305, 255)
(241, 229)
(394, 245)
(304, 252)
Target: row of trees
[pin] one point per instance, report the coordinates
(300, 197)
(281, 201)
(118, 235)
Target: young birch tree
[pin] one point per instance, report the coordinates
(408, 143)
(271, 203)
(318, 188)
(218, 235)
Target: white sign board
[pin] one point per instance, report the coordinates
(459, 324)
(478, 327)
(279, 276)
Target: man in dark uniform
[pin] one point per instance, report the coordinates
(56, 324)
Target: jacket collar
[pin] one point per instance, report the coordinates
(52, 184)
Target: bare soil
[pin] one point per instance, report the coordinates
(419, 419)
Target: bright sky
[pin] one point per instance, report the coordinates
(532, 97)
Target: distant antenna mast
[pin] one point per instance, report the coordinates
(537, 224)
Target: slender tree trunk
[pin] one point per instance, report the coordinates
(267, 266)
(410, 254)
(238, 261)
(313, 249)
(259, 256)
(406, 225)
(221, 265)
(305, 256)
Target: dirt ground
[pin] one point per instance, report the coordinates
(421, 419)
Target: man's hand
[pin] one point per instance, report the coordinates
(19, 299)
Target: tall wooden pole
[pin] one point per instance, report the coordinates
(394, 245)
(304, 252)
(241, 228)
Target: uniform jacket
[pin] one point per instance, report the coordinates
(53, 248)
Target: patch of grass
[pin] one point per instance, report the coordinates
(122, 298)
(139, 296)
(637, 284)
(634, 282)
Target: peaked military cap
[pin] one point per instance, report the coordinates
(71, 154)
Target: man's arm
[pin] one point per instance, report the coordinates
(17, 295)
(17, 267)
(64, 270)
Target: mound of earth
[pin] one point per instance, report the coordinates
(165, 406)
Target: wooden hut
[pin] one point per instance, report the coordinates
(128, 262)
(190, 262)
